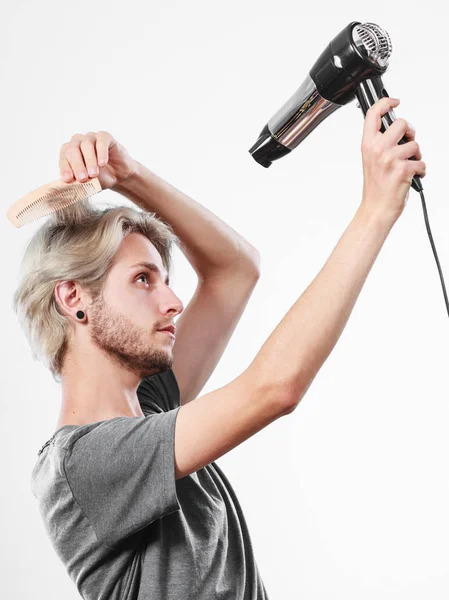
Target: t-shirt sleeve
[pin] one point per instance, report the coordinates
(122, 474)
(159, 392)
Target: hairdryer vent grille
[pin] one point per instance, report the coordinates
(376, 41)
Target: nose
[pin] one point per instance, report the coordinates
(171, 303)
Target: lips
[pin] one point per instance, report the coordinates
(170, 328)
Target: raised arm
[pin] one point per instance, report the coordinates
(287, 363)
(301, 343)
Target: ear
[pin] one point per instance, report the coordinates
(68, 298)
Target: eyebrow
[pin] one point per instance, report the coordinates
(151, 267)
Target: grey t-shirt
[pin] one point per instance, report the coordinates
(125, 528)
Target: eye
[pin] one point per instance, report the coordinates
(143, 275)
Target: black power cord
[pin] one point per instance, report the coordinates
(423, 202)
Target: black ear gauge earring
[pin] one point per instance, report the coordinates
(80, 314)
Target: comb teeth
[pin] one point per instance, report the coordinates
(50, 198)
(376, 40)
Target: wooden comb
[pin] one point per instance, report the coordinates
(50, 198)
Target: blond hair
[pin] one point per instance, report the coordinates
(78, 243)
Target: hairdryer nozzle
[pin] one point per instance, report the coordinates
(374, 42)
(266, 149)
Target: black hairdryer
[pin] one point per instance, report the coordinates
(350, 67)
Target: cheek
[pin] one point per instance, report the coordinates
(129, 303)
(141, 303)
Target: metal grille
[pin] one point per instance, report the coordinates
(376, 41)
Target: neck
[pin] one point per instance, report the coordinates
(94, 388)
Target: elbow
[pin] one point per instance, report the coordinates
(289, 408)
(255, 261)
(275, 394)
(283, 397)
(249, 260)
(292, 395)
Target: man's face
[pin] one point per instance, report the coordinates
(135, 303)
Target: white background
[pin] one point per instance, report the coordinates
(348, 496)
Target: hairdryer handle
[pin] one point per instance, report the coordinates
(368, 92)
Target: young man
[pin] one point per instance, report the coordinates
(128, 489)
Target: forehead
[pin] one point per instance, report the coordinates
(136, 248)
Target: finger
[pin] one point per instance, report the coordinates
(75, 159)
(64, 167)
(417, 166)
(408, 150)
(90, 158)
(373, 117)
(395, 132)
(102, 147)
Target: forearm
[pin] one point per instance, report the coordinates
(301, 343)
(211, 246)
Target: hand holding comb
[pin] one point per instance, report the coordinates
(99, 154)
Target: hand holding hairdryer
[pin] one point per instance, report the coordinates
(350, 67)
(387, 172)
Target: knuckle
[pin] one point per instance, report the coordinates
(377, 151)
(72, 145)
(385, 159)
